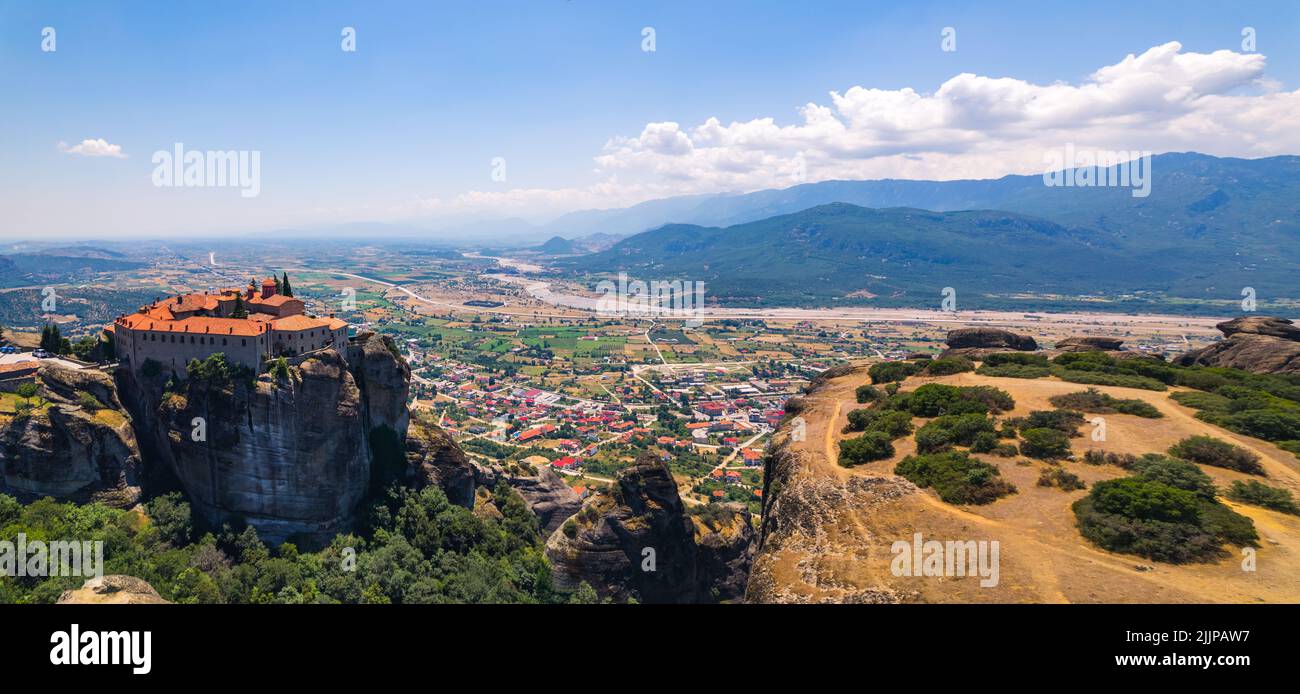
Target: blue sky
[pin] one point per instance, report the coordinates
(410, 121)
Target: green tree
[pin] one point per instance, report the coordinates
(285, 288)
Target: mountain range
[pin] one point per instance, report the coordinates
(1209, 227)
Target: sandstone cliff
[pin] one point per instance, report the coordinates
(1259, 344)
(638, 542)
(434, 459)
(289, 454)
(76, 443)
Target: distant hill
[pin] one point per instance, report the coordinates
(22, 269)
(1209, 227)
(896, 256)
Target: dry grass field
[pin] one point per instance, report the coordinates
(841, 550)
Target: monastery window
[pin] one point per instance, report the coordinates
(223, 342)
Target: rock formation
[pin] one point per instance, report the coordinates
(289, 454)
(975, 343)
(1259, 344)
(113, 590)
(76, 443)
(1089, 344)
(726, 541)
(549, 496)
(639, 542)
(434, 458)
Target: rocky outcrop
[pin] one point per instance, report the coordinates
(964, 338)
(977, 343)
(384, 379)
(725, 538)
(549, 496)
(638, 542)
(1261, 325)
(113, 590)
(1258, 344)
(1089, 344)
(434, 458)
(76, 443)
(289, 454)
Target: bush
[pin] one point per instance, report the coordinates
(946, 366)
(1016, 359)
(1208, 450)
(1045, 444)
(956, 477)
(1060, 478)
(1098, 457)
(984, 442)
(867, 393)
(1260, 494)
(893, 424)
(1150, 518)
(1093, 400)
(890, 371)
(1107, 379)
(949, 430)
(1175, 473)
(1067, 421)
(1014, 371)
(861, 418)
(873, 445)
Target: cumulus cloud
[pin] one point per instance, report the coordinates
(971, 126)
(94, 148)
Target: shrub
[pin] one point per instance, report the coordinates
(1107, 379)
(948, 430)
(1093, 400)
(89, 402)
(935, 399)
(861, 418)
(1175, 473)
(956, 477)
(995, 399)
(1150, 518)
(1014, 371)
(984, 442)
(890, 371)
(1060, 478)
(946, 366)
(1015, 358)
(1098, 457)
(892, 424)
(867, 393)
(1067, 421)
(873, 445)
(1260, 494)
(1045, 444)
(1208, 450)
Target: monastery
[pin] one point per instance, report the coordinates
(249, 327)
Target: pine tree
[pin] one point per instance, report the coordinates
(239, 311)
(279, 288)
(288, 291)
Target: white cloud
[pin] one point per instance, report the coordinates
(94, 148)
(972, 126)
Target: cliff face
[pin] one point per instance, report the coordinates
(76, 444)
(434, 459)
(290, 455)
(639, 542)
